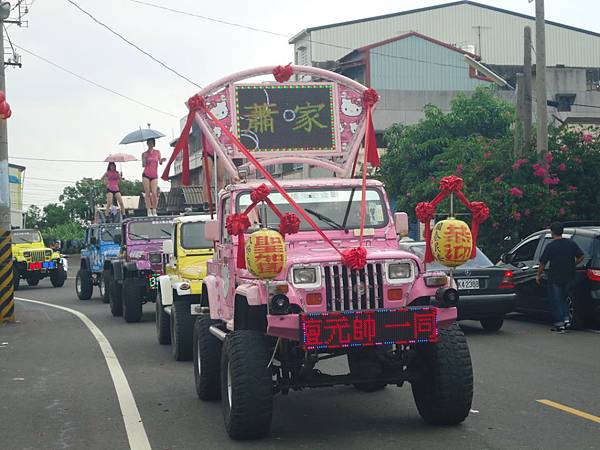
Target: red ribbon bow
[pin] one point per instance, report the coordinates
(370, 97)
(236, 225)
(451, 183)
(290, 224)
(480, 213)
(355, 258)
(283, 73)
(260, 194)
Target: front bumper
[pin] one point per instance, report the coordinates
(481, 306)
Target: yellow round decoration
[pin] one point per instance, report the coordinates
(265, 253)
(451, 242)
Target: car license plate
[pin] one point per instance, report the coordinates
(367, 328)
(468, 283)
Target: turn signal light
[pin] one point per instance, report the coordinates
(593, 274)
(436, 281)
(313, 299)
(395, 295)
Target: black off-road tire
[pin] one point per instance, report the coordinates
(132, 302)
(492, 324)
(443, 389)
(244, 361)
(33, 281)
(106, 284)
(16, 277)
(364, 364)
(58, 276)
(115, 298)
(182, 330)
(83, 284)
(163, 322)
(207, 359)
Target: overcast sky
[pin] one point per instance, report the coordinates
(56, 115)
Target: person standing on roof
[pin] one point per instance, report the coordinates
(151, 158)
(563, 256)
(111, 179)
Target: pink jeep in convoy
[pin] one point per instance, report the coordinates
(393, 321)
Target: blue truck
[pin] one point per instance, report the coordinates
(99, 249)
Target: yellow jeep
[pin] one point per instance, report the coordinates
(32, 260)
(180, 289)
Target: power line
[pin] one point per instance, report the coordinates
(50, 179)
(57, 160)
(273, 33)
(123, 38)
(98, 85)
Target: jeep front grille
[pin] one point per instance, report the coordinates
(37, 255)
(346, 290)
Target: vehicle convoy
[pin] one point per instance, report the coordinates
(584, 294)
(134, 273)
(487, 293)
(180, 288)
(308, 270)
(98, 250)
(33, 261)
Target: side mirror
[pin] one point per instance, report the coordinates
(93, 240)
(117, 239)
(168, 247)
(401, 223)
(211, 230)
(506, 258)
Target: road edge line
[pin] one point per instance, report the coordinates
(134, 427)
(570, 410)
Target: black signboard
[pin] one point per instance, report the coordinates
(369, 327)
(286, 118)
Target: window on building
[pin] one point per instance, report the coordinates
(592, 77)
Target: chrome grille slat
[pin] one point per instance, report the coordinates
(342, 287)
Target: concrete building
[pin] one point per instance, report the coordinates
(16, 178)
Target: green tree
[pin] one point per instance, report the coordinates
(33, 217)
(55, 214)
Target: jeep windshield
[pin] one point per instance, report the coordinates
(330, 208)
(149, 230)
(192, 237)
(26, 236)
(109, 232)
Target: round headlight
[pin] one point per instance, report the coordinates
(307, 275)
(399, 271)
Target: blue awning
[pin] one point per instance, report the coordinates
(14, 179)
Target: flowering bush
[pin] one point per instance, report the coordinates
(475, 140)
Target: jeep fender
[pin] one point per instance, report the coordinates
(85, 264)
(210, 286)
(166, 290)
(251, 292)
(117, 270)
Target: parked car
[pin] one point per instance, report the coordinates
(584, 294)
(486, 292)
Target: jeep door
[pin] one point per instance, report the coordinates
(224, 253)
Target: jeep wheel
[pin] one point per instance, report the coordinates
(207, 360)
(246, 385)
(443, 388)
(364, 364)
(115, 297)
(33, 280)
(163, 322)
(492, 324)
(58, 277)
(83, 284)
(182, 330)
(132, 303)
(105, 286)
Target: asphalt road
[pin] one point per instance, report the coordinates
(56, 391)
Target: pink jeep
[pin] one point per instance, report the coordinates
(393, 321)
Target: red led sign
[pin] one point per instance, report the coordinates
(365, 328)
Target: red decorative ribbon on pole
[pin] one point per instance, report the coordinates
(194, 104)
(238, 223)
(283, 73)
(425, 212)
(5, 111)
(207, 177)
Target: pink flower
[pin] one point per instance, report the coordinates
(516, 192)
(459, 169)
(549, 158)
(564, 148)
(518, 163)
(562, 167)
(578, 160)
(551, 181)
(572, 188)
(486, 155)
(498, 179)
(535, 166)
(562, 211)
(517, 215)
(527, 212)
(587, 138)
(539, 171)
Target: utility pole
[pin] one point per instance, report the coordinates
(6, 270)
(520, 122)
(527, 88)
(540, 78)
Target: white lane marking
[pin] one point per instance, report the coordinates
(138, 439)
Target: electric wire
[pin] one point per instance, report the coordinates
(124, 39)
(30, 158)
(273, 33)
(92, 82)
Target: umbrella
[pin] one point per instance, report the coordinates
(120, 157)
(141, 135)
